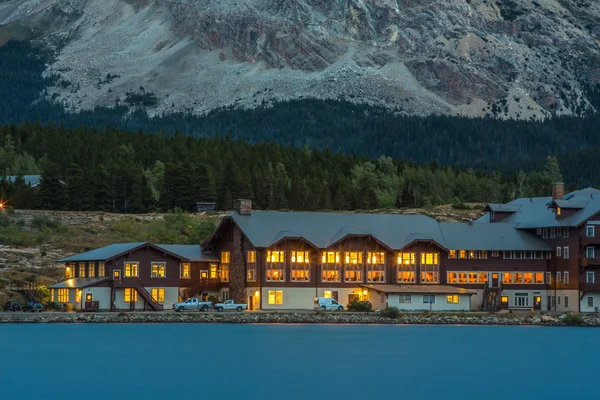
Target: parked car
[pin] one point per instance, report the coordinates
(33, 306)
(192, 304)
(11, 306)
(230, 305)
(327, 303)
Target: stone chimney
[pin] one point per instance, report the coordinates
(243, 206)
(558, 190)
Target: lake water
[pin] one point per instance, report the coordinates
(245, 362)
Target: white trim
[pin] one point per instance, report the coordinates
(589, 274)
(558, 251)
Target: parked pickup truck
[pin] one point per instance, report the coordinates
(192, 304)
(230, 305)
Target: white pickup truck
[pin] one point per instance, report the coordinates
(192, 304)
(230, 305)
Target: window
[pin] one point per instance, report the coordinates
(251, 266)
(300, 257)
(545, 233)
(327, 294)
(376, 273)
(521, 300)
(558, 300)
(548, 255)
(452, 299)
(483, 277)
(275, 266)
(331, 257)
(552, 233)
(528, 255)
(590, 252)
(472, 254)
(406, 268)
(82, 270)
(213, 272)
(558, 211)
(225, 295)
(132, 269)
(548, 277)
(158, 294)
(430, 258)
(566, 301)
(472, 277)
(558, 276)
(452, 277)
(495, 253)
(508, 255)
(558, 251)
(539, 277)
(462, 254)
(528, 278)
(251, 258)
(589, 277)
(452, 254)
(70, 271)
(538, 255)
(224, 272)
(566, 277)
(353, 273)
(63, 295)
(428, 299)
(404, 299)
(566, 232)
(130, 295)
(225, 257)
(507, 277)
(185, 271)
(101, 272)
(376, 257)
(354, 257)
(251, 274)
(590, 301)
(157, 270)
(330, 273)
(590, 231)
(406, 258)
(539, 231)
(566, 252)
(518, 277)
(462, 277)
(517, 255)
(430, 273)
(482, 254)
(91, 269)
(300, 272)
(275, 296)
(558, 231)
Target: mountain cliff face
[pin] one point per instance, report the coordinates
(509, 58)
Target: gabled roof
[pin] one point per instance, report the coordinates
(495, 236)
(322, 229)
(79, 283)
(508, 208)
(104, 253)
(570, 204)
(189, 252)
(30, 180)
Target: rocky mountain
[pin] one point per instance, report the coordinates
(510, 58)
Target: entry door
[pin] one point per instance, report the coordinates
(334, 295)
(495, 280)
(504, 302)
(88, 297)
(117, 274)
(537, 303)
(250, 303)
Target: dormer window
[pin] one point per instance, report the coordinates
(558, 211)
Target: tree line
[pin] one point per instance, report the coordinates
(115, 170)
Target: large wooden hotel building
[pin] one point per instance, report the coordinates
(531, 253)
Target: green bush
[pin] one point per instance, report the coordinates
(461, 206)
(390, 312)
(43, 221)
(573, 320)
(362, 306)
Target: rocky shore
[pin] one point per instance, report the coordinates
(307, 318)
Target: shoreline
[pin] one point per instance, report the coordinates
(374, 318)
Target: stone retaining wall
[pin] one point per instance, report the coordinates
(298, 318)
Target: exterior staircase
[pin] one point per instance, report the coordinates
(135, 284)
(491, 298)
(193, 290)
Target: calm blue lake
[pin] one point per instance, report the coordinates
(245, 362)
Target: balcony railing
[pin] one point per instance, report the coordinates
(585, 239)
(585, 261)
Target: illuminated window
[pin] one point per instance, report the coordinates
(406, 273)
(158, 294)
(452, 278)
(213, 271)
(495, 253)
(275, 266)
(482, 254)
(251, 266)
(82, 270)
(132, 269)
(406, 258)
(70, 271)
(157, 270)
(327, 294)
(558, 211)
(354, 257)
(330, 257)
(472, 254)
(539, 277)
(300, 257)
(101, 272)
(275, 296)
(63, 295)
(376, 257)
(376, 273)
(430, 258)
(452, 299)
(224, 272)
(452, 254)
(518, 277)
(185, 271)
(92, 270)
(330, 273)
(472, 277)
(462, 277)
(507, 277)
(130, 295)
(462, 254)
(483, 277)
(353, 273)
(300, 272)
(528, 277)
(251, 274)
(430, 273)
(251, 257)
(225, 257)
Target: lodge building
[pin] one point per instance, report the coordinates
(532, 253)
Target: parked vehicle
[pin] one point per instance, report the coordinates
(192, 304)
(33, 306)
(230, 305)
(327, 303)
(11, 306)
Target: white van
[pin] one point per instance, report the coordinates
(327, 303)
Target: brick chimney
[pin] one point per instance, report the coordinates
(243, 206)
(558, 190)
